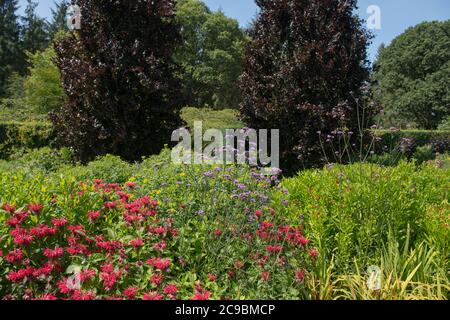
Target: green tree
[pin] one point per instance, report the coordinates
(9, 41)
(412, 76)
(58, 22)
(35, 30)
(43, 90)
(211, 55)
(14, 86)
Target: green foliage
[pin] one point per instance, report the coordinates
(23, 135)
(211, 55)
(15, 86)
(43, 90)
(214, 237)
(58, 22)
(40, 160)
(404, 143)
(412, 75)
(212, 119)
(445, 125)
(34, 31)
(353, 212)
(9, 42)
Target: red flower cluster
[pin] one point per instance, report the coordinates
(120, 245)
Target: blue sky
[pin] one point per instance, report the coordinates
(396, 15)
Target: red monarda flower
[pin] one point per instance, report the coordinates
(46, 296)
(258, 213)
(14, 256)
(45, 270)
(160, 246)
(159, 263)
(35, 207)
(86, 275)
(218, 232)
(20, 275)
(59, 222)
(159, 230)
(136, 243)
(130, 292)
(303, 241)
(130, 184)
(83, 295)
(93, 215)
(274, 249)
(109, 279)
(313, 253)
(152, 296)
(171, 289)
(42, 231)
(204, 295)
(21, 236)
(212, 277)
(9, 208)
(265, 276)
(111, 205)
(52, 254)
(299, 275)
(156, 279)
(18, 218)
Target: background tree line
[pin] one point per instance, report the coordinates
(210, 55)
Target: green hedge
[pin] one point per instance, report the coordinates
(420, 138)
(24, 135)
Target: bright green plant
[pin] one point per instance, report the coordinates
(43, 90)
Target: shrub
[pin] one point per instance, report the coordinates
(411, 75)
(303, 73)
(24, 135)
(123, 97)
(212, 119)
(40, 160)
(394, 140)
(445, 125)
(211, 55)
(43, 90)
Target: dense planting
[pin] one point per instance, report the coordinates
(134, 241)
(197, 232)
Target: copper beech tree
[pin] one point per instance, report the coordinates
(118, 74)
(304, 71)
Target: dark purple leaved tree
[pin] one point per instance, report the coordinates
(118, 73)
(304, 72)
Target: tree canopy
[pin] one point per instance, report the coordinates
(211, 55)
(412, 76)
(9, 41)
(304, 70)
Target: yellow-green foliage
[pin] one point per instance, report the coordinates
(360, 215)
(24, 135)
(212, 119)
(43, 90)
